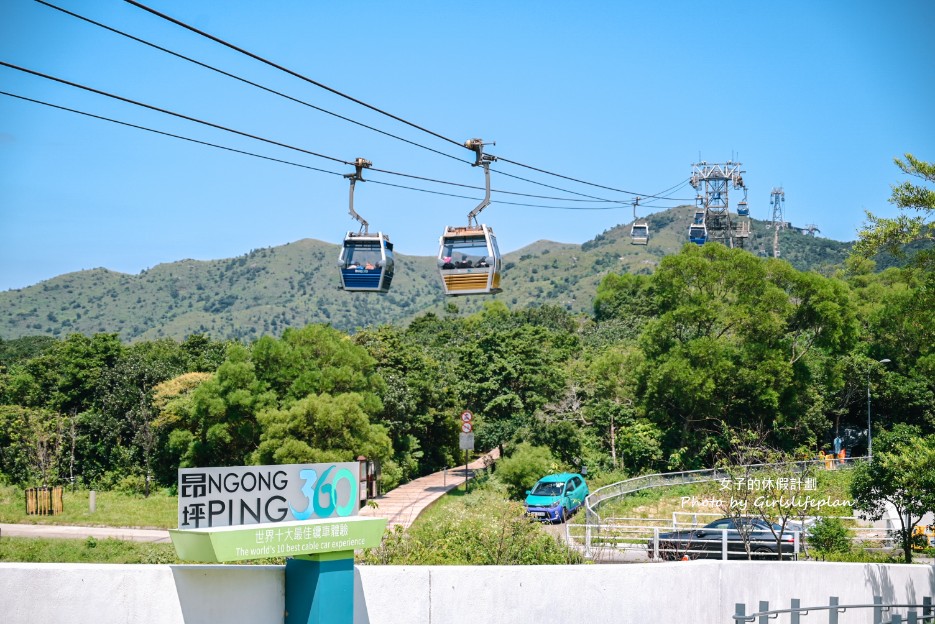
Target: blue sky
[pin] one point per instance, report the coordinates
(817, 97)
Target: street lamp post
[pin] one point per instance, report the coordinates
(869, 434)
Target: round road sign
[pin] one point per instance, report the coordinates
(467, 416)
(467, 427)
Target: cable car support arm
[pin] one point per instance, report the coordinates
(359, 165)
(483, 160)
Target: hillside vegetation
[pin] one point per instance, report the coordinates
(665, 374)
(268, 290)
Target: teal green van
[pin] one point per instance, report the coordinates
(555, 497)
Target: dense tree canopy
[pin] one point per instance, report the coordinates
(902, 474)
(916, 221)
(715, 340)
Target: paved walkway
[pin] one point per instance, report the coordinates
(54, 531)
(404, 504)
(400, 507)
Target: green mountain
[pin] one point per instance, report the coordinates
(267, 290)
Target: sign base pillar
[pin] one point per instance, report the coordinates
(320, 588)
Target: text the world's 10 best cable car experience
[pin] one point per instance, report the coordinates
(468, 257)
(366, 260)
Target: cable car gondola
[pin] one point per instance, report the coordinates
(469, 261)
(366, 260)
(698, 233)
(639, 231)
(743, 209)
(468, 257)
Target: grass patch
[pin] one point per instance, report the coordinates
(657, 502)
(116, 509)
(90, 550)
(482, 527)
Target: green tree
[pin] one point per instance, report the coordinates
(525, 465)
(507, 375)
(612, 382)
(902, 474)
(217, 420)
(67, 377)
(172, 406)
(21, 349)
(625, 296)
(321, 428)
(31, 445)
(419, 406)
(740, 341)
(893, 234)
(123, 430)
(829, 535)
(203, 355)
(316, 359)
(324, 390)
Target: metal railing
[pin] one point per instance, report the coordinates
(615, 535)
(796, 611)
(654, 543)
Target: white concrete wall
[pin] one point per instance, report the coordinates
(148, 594)
(701, 591)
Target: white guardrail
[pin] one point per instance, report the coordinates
(634, 539)
(680, 538)
(630, 486)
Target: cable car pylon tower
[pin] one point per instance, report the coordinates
(712, 220)
(777, 199)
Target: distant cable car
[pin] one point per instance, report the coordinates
(639, 231)
(639, 234)
(698, 233)
(468, 257)
(743, 209)
(366, 260)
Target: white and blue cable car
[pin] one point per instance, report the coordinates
(366, 261)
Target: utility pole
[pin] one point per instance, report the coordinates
(777, 199)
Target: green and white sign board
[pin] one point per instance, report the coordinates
(306, 512)
(241, 495)
(283, 539)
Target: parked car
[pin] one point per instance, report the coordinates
(707, 541)
(555, 497)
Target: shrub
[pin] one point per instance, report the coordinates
(829, 535)
(524, 467)
(480, 529)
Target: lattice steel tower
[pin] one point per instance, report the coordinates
(712, 216)
(777, 199)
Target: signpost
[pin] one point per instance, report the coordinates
(467, 440)
(239, 495)
(307, 512)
